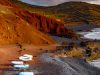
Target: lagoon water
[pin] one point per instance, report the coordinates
(94, 34)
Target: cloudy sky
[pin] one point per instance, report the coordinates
(55, 2)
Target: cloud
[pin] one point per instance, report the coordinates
(55, 2)
(95, 2)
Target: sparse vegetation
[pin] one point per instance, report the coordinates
(86, 51)
(70, 13)
(74, 53)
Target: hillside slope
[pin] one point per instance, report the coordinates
(71, 13)
(42, 23)
(20, 26)
(13, 29)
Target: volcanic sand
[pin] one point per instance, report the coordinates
(12, 52)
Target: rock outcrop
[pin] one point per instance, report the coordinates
(20, 26)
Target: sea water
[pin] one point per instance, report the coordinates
(94, 34)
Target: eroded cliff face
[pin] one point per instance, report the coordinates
(20, 26)
(14, 29)
(44, 24)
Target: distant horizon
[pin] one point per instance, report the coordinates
(56, 2)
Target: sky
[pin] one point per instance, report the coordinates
(55, 2)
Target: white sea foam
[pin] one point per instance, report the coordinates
(94, 34)
(95, 63)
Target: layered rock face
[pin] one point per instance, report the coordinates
(20, 26)
(44, 24)
(14, 29)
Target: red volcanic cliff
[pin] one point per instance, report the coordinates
(44, 24)
(6, 2)
(14, 29)
(40, 22)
